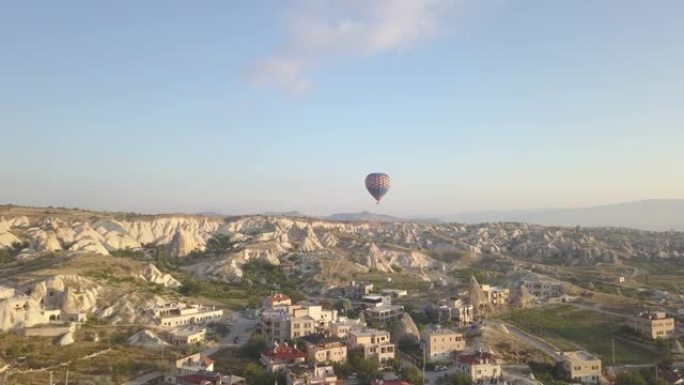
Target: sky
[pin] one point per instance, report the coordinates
(251, 106)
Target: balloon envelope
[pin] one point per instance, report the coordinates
(378, 184)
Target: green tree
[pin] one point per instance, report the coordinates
(630, 378)
(368, 370)
(412, 375)
(253, 348)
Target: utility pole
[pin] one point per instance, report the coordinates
(424, 359)
(612, 340)
(66, 377)
(51, 377)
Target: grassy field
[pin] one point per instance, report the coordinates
(661, 274)
(570, 328)
(398, 281)
(118, 364)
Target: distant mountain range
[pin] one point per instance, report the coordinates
(284, 214)
(654, 215)
(364, 216)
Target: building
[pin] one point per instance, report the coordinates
(581, 366)
(653, 324)
(375, 300)
(188, 366)
(455, 311)
(543, 288)
(479, 366)
(621, 279)
(317, 375)
(202, 377)
(374, 343)
(441, 344)
(384, 313)
(278, 299)
(284, 323)
(185, 337)
(232, 379)
(6, 292)
(281, 356)
(497, 296)
(175, 315)
(341, 327)
(321, 349)
(356, 290)
(396, 293)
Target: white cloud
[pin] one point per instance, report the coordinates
(319, 31)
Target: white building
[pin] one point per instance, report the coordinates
(479, 366)
(582, 367)
(176, 315)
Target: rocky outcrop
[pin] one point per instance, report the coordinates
(376, 259)
(406, 330)
(185, 242)
(66, 339)
(146, 339)
(419, 248)
(150, 273)
(477, 297)
(310, 242)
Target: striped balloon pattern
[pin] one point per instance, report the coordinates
(378, 184)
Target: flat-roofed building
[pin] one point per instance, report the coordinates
(582, 366)
(356, 290)
(373, 343)
(396, 293)
(385, 313)
(185, 337)
(316, 375)
(283, 323)
(543, 288)
(479, 366)
(376, 300)
(322, 349)
(497, 296)
(441, 344)
(176, 315)
(341, 327)
(455, 311)
(653, 324)
(192, 364)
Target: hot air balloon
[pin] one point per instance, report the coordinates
(378, 184)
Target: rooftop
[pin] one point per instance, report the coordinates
(652, 314)
(316, 339)
(436, 330)
(187, 332)
(283, 352)
(366, 332)
(581, 355)
(476, 358)
(279, 297)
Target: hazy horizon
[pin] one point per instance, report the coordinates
(276, 106)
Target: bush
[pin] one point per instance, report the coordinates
(253, 348)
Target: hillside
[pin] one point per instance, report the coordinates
(654, 215)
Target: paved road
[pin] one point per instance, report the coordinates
(531, 340)
(242, 328)
(142, 380)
